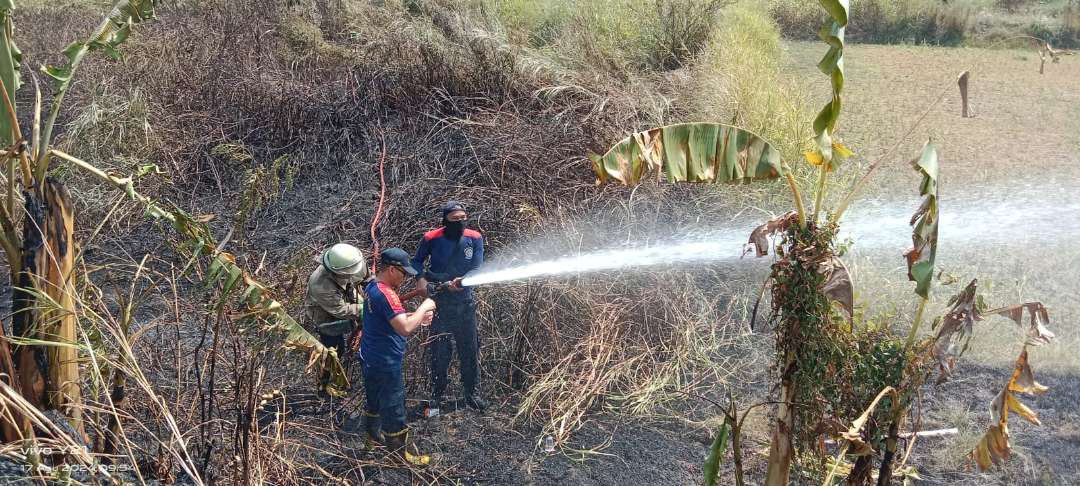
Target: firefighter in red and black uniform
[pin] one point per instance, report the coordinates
(451, 251)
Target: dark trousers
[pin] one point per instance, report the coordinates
(454, 320)
(385, 390)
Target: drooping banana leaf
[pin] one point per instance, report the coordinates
(832, 65)
(265, 316)
(994, 446)
(689, 152)
(920, 258)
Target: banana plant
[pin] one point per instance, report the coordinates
(41, 258)
(262, 314)
(708, 152)
(809, 272)
(43, 364)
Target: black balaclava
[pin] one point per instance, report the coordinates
(452, 229)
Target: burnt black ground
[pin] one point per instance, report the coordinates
(470, 447)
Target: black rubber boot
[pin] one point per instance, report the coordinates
(474, 401)
(399, 445)
(373, 427)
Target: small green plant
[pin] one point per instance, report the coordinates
(262, 185)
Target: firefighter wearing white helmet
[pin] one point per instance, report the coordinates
(334, 306)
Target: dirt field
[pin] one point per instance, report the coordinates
(1014, 165)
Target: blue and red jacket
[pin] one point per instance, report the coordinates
(450, 259)
(381, 346)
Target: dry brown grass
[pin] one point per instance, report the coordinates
(464, 115)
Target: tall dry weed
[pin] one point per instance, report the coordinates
(738, 80)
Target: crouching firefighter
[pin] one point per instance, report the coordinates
(453, 251)
(382, 349)
(333, 299)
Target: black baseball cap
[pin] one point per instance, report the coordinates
(450, 207)
(398, 258)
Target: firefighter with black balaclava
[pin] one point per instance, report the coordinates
(452, 250)
(334, 303)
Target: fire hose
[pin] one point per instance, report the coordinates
(354, 340)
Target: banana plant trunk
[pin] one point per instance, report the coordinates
(44, 305)
(780, 451)
(885, 472)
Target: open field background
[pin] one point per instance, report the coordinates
(1011, 174)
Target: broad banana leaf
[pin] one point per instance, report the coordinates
(920, 258)
(261, 310)
(690, 152)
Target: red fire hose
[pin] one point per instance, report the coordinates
(354, 341)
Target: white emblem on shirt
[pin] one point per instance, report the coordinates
(468, 253)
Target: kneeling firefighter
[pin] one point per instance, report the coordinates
(333, 298)
(382, 350)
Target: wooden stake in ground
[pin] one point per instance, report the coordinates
(962, 81)
(1046, 50)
